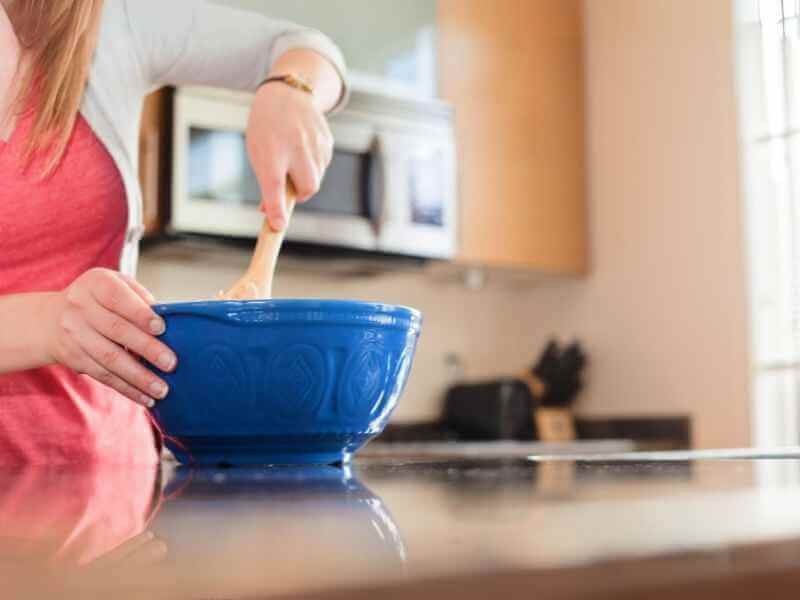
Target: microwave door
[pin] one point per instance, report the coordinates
(421, 218)
(342, 212)
(214, 190)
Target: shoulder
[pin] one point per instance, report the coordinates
(115, 47)
(133, 31)
(144, 28)
(117, 81)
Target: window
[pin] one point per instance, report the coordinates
(768, 75)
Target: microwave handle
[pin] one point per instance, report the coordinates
(376, 185)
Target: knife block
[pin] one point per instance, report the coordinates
(555, 424)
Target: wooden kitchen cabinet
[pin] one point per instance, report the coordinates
(513, 70)
(154, 162)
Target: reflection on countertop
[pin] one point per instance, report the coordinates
(272, 532)
(277, 530)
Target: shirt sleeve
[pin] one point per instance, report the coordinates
(191, 42)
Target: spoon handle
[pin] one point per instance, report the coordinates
(256, 283)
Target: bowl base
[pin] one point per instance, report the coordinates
(266, 459)
(268, 450)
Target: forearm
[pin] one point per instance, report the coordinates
(314, 69)
(23, 335)
(185, 42)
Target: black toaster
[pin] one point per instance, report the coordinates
(493, 410)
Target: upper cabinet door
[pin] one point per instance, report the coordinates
(394, 40)
(513, 71)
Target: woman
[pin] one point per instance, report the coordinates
(73, 74)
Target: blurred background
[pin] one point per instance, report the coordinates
(619, 173)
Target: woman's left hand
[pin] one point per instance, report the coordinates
(287, 137)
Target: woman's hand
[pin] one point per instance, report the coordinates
(287, 137)
(99, 324)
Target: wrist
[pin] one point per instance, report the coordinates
(26, 330)
(46, 309)
(296, 84)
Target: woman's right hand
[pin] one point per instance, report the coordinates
(99, 324)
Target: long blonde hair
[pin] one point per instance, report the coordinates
(59, 38)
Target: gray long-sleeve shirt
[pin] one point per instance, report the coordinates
(144, 44)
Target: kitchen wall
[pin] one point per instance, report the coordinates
(664, 311)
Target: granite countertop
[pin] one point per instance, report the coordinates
(627, 526)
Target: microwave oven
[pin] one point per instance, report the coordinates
(390, 187)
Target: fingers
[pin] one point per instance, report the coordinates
(319, 148)
(93, 369)
(273, 192)
(112, 365)
(137, 287)
(122, 332)
(116, 295)
(104, 316)
(301, 151)
(324, 144)
(119, 330)
(305, 175)
(320, 159)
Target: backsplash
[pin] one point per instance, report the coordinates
(490, 329)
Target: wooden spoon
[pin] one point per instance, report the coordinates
(256, 283)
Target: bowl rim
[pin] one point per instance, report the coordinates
(288, 304)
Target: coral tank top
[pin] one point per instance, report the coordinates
(52, 231)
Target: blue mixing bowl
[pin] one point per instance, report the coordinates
(282, 381)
